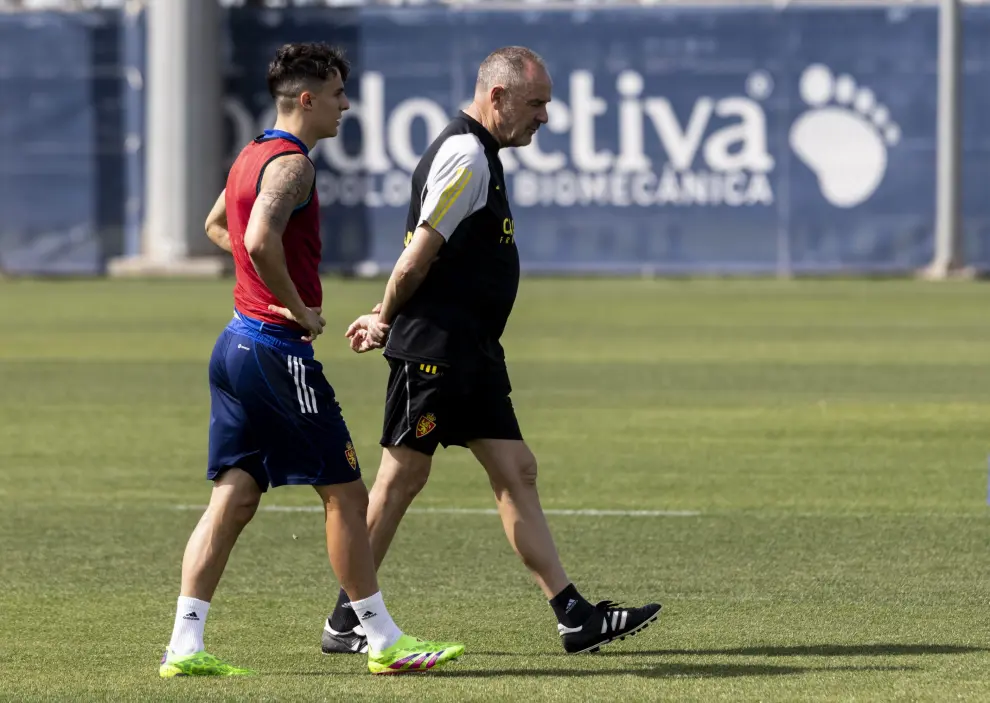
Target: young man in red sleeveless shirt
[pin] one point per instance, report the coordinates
(274, 419)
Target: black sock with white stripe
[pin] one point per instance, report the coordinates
(571, 609)
(343, 618)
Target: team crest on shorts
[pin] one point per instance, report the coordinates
(425, 425)
(351, 455)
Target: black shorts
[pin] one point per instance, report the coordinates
(428, 404)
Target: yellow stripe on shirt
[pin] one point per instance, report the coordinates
(450, 195)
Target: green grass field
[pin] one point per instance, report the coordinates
(832, 438)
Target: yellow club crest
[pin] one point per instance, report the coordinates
(425, 425)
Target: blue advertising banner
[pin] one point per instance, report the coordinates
(61, 182)
(681, 140)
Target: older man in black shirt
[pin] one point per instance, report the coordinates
(440, 323)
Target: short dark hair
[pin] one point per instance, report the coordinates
(295, 65)
(507, 66)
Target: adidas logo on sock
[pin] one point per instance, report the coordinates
(191, 615)
(367, 614)
(570, 604)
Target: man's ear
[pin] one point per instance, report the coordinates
(497, 95)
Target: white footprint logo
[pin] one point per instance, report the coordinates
(844, 143)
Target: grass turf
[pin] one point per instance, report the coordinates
(833, 437)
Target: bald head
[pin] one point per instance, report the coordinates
(510, 67)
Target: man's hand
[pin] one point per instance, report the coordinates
(367, 332)
(360, 343)
(311, 319)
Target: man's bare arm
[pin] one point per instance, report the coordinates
(216, 223)
(410, 271)
(456, 186)
(285, 185)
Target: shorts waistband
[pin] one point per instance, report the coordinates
(285, 339)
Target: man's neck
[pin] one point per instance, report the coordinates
(485, 118)
(295, 128)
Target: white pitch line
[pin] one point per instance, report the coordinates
(552, 511)
(478, 511)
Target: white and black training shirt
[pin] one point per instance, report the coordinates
(461, 308)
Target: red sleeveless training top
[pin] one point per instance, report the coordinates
(301, 240)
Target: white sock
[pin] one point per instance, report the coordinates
(382, 632)
(190, 619)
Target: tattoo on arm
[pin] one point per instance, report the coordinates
(287, 183)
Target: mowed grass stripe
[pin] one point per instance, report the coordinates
(832, 434)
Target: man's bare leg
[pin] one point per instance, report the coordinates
(583, 627)
(401, 476)
(233, 502)
(511, 469)
(345, 507)
(350, 553)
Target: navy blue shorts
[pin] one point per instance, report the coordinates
(272, 412)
